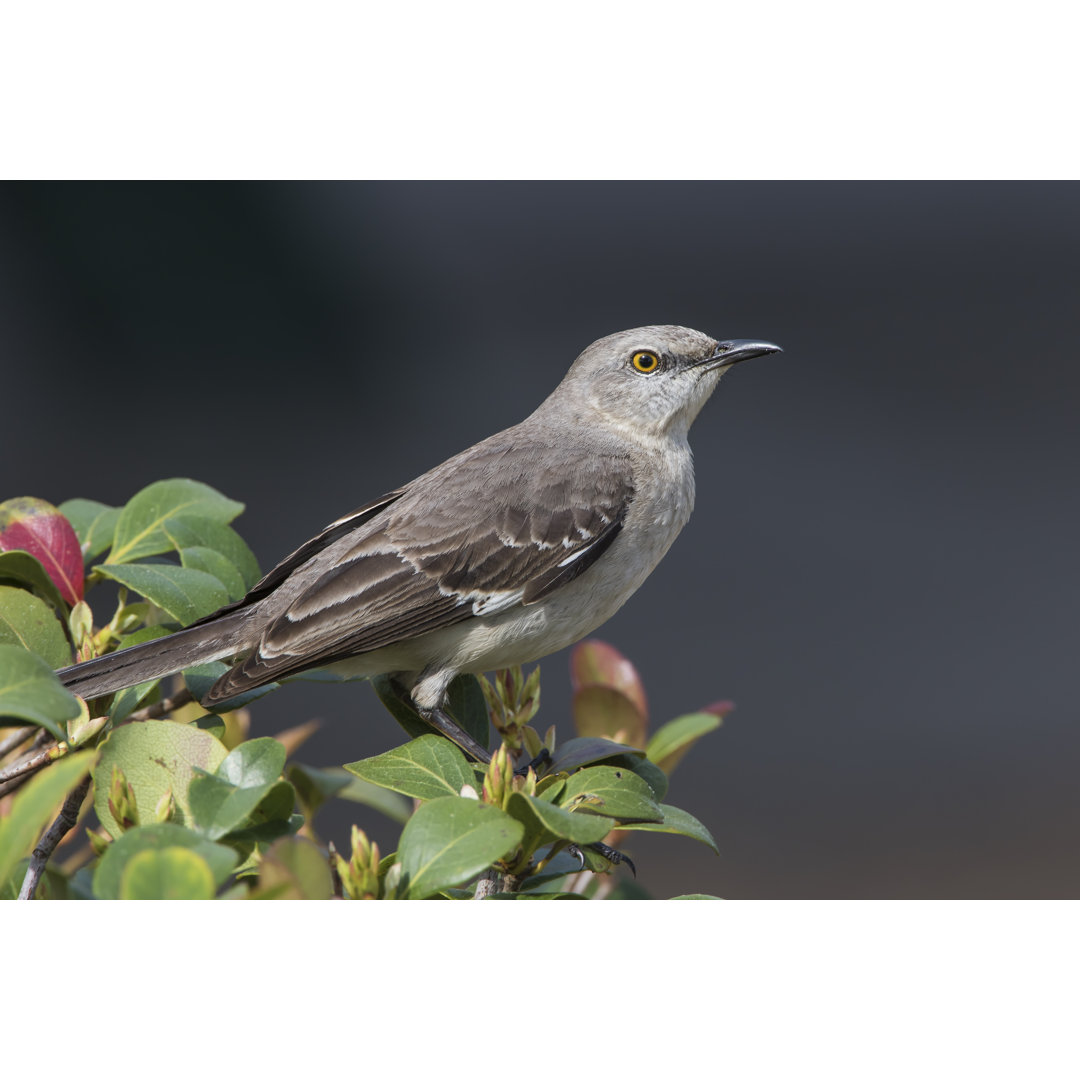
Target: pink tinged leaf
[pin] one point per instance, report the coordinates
(719, 708)
(37, 527)
(596, 663)
(607, 713)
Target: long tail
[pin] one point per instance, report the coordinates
(214, 640)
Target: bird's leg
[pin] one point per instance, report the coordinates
(614, 857)
(543, 758)
(445, 724)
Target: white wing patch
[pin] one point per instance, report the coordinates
(575, 555)
(493, 603)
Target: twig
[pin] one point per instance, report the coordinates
(167, 705)
(15, 740)
(64, 823)
(20, 770)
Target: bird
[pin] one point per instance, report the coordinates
(517, 547)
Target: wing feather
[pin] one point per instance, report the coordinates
(490, 528)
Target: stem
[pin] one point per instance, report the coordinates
(167, 705)
(64, 823)
(16, 740)
(17, 773)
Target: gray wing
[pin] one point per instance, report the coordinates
(494, 527)
(303, 554)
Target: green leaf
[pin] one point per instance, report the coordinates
(294, 869)
(94, 524)
(678, 822)
(667, 747)
(216, 565)
(644, 768)
(156, 756)
(144, 633)
(536, 896)
(545, 823)
(140, 529)
(219, 808)
(171, 873)
(204, 532)
(448, 841)
(108, 876)
(30, 691)
(28, 621)
(394, 806)
(617, 793)
(245, 792)
(186, 595)
(425, 768)
(465, 703)
(315, 786)
(213, 724)
(36, 805)
(23, 569)
(270, 821)
(399, 707)
(275, 808)
(575, 753)
(129, 699)
(255, 762)
(200, 677)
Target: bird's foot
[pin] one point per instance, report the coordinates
(616, 858)
(445, 724)
(541, 759)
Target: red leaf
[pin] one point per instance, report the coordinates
(37, 527)
(596, 663)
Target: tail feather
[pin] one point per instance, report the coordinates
(103, 675)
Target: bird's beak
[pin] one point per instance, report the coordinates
(737, 350)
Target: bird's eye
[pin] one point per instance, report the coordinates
(645, 362)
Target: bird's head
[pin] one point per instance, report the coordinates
(654, 379)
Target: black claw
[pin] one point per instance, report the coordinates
(613, 856)
(576, 852)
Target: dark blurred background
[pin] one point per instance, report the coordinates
(881, 570)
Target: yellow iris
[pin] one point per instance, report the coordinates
(645, 362)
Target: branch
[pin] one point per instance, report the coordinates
(16, 740)
(19, 771)
(64, 823)
(166, 705)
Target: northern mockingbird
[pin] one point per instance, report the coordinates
(511, 550)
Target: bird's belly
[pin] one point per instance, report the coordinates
(528, 632)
